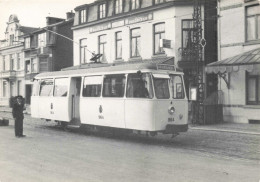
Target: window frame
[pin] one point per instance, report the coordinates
(117, 40)
(103, 44)
(54, 86)
(156, 33)
(51, 91)
(83, 48)
(160, 1)
(256, 16)
(27, 43)
(124, 76)
(137, 6)
(185, 29)
(257, 92)
(101, 77)
(83, 16)
(12, 62)
(102, 5)
(136, 41)
(119, 8)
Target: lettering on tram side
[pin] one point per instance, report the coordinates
(170, 119)
(100, 117)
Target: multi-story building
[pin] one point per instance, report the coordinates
(239, 59)
(12, 60)
(48, 49)
(28, 51)
(130, 30)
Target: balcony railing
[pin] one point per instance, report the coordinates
(187, 58)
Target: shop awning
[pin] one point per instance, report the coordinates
(245, 61)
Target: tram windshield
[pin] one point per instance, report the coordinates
(161, 86)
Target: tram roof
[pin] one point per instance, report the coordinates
(112, 67)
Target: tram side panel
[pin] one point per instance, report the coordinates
(139, 114)
(103, 112)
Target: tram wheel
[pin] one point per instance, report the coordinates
(64, 125)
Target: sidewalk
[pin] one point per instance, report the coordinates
(242, 128)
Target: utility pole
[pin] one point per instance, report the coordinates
(198, 44)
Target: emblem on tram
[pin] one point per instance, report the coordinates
(100, 109)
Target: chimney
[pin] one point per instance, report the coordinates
(53, 20)
(70, 15)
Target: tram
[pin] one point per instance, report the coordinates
(141, 96)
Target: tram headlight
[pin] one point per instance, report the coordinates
(171, 110)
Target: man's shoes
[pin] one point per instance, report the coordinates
(22, 135)
(19, 136)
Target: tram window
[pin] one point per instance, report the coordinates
(92, 86)
(161, 88)
(36, 85)
(114, 86)
(139, 86)
(46, 87)
(176, 86)
(61, 87)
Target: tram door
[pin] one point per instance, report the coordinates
(75, 94)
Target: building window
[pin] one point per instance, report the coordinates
(159, 33)
(83, 51)
(253, 22)
(43, 67)
(135, 4)
(12, 89)
(42, 40)
(187, 34)
(11, 39)
(34, 65)
(27, 44)
(102, 11)
(253, 89)
(135, 42)
(4, 63)
(12, 61)
(19, 87)
(19, 62)
(27, 66)
(83, 17)
(118, 6)
(118, 45)
(102, 47)
(5, 91)
(158, 1)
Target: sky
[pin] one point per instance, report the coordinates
(33, 13)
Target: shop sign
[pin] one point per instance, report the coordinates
(138, 19)
(100, 27)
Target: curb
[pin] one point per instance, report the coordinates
(221, 130)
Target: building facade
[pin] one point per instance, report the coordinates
(239, 60)
(130, 30)
(28, 51)
(47, 49)
(12, 60)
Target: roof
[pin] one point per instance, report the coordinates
(97, 68)
(246, 59)
(27, 30)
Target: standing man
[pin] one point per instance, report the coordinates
(17, 111)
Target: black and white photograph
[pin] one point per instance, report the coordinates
(129, 90)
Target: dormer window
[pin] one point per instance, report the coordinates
(118, 6)
(83, 17)
(135, 4)
(102, 10)
(42, 40)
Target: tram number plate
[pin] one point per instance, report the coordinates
(170, 119)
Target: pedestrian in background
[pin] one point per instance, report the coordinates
(18, 108)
